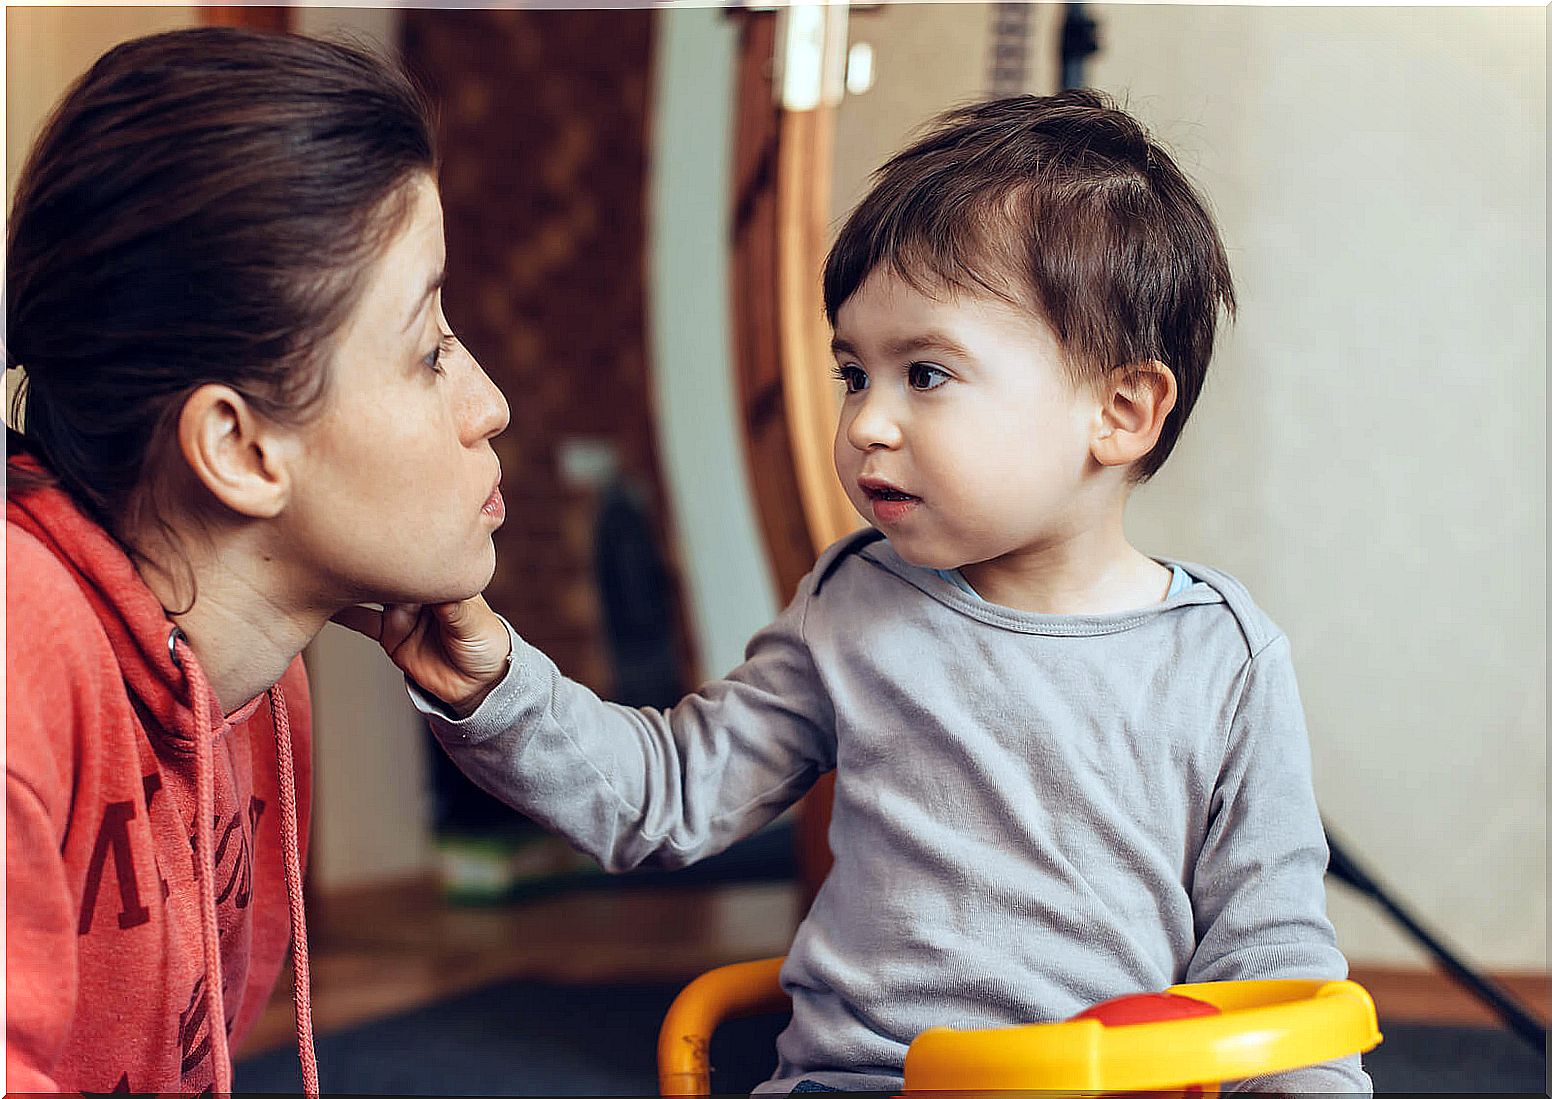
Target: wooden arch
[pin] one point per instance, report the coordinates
(781, 211)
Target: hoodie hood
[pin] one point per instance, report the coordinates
(138, 627)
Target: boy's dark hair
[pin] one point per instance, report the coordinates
(199, 208)
(1062, 204)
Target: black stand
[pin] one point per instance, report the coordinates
(1349, 873)
(1080, 38)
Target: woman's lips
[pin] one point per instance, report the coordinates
(495, 506)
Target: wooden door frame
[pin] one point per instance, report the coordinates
(780, 221)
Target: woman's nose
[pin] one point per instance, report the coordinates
(486, 411)
(874, 425)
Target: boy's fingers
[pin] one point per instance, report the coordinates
(455, 614)
(364, 620)
(400, 618)
(472, 628)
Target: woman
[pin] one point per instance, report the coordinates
(242, 412)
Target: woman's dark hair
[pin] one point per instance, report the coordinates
(1063, 205)
(197, 210)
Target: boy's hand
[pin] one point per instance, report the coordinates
(455, 651)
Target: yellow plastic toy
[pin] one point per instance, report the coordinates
(728, 992)
(1237, 1029)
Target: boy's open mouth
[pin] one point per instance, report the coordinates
(876, 488)
(889, 503)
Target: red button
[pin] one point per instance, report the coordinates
(1147, 1007)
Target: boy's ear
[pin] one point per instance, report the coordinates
(239, 455)
(1135, 400)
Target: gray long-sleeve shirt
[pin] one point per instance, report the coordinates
(1032, 812)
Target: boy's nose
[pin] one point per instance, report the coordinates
(873, 427)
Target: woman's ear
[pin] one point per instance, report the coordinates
(1134, 403)
(239, 455)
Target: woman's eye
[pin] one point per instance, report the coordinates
(855, 378)
(927, 376)
(433, 358)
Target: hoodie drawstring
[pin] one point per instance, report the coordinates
(204, 849)
(301, 981)
(204, 762)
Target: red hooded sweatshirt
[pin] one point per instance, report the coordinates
(129, 926)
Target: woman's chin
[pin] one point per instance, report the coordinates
(447, 588)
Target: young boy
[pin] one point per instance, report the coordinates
(1065, 771)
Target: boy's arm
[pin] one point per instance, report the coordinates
(1258, 890)
(642, 785)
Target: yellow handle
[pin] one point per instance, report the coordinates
(1264, 1027)
(683, 1043)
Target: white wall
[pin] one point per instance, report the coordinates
(726, 578)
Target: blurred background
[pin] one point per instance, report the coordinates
(637, 203)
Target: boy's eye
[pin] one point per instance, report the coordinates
(927, 376)
(855, 377)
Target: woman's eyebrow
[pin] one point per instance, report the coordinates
(437, 280)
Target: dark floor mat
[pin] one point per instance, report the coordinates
(519, 1038)
(1464, 1060)
(526, 1038)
